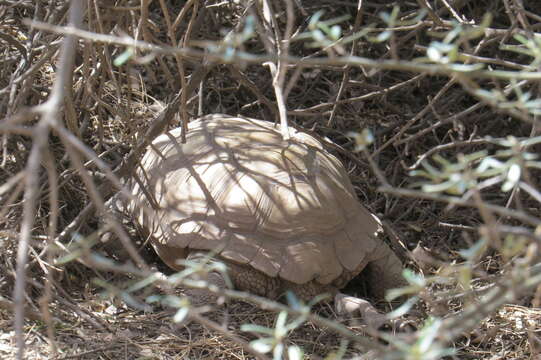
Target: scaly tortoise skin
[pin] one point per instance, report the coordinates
(282, 215)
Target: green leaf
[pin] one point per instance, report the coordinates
(73, 255)
(414, 278)
(173, 301)
(144, 282)
(513, 177)
(295, 353)
(278, 351)
(466, 67)
(318, 36)
(472, 252)
(428, 334)
(262, 346)
(434, 54)
(393, 294)
(312, 24)
(336, 32)
(362, 139)
(315, 300)
(123, 57)
(181, 314)
(384, 36)
(292, 300)
(257, 329)
(404, 308)
(153, 299)
(280, 327)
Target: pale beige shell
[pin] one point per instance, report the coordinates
(286, 208)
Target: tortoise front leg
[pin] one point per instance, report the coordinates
(354, 306)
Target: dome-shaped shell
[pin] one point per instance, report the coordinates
(286, 208)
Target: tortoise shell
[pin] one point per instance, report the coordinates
(235, 188)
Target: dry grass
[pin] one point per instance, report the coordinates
(109, 108)
(126, 333)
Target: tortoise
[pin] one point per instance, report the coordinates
(282, 215)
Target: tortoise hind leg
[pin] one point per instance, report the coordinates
(383, 271)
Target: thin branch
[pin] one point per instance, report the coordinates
(447, 146)
(50, 111)
(511, 213)
(243, 57)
